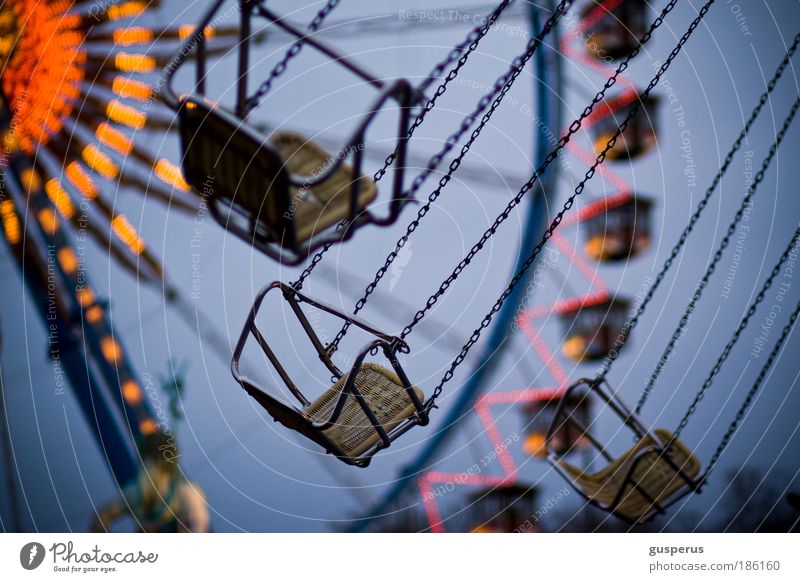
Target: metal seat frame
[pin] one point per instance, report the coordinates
(601, 388)
(295, 418)
(289, 250)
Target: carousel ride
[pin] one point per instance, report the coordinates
(70, 117)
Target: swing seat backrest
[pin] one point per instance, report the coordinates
(230, 163)
(639, 482)
(352, 433)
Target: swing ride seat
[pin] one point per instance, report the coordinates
(364, 410)
(352, 433)
(637, 485)
(639, 481)
(283, 194)
(283, 189)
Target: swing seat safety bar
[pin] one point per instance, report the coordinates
(257, 186)
(364, 410)
(639, 484)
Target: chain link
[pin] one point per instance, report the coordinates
(698, 293)
(753, 390)
(476, 334)
(294, 50)
(735, 337)
(471, 42)
(494, 97)
(634, 319)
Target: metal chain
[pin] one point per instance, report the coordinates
(294, 50)
(562, 142)
(753, 390)
(570, 201)
(735, 337)
(494, 97)
(471, 42)
(703, 283)
(634, 319)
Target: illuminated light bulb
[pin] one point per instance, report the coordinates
(126, 10)
(70, 20)
(6, 43)
(594, 247)
(127, 234)
(48, 220)
(30, 180)
(131, 89)
(601, 142)
(134, 62)
(69, 40)
(10, 142)
(68, 260)
(534, 445)
(125, 114)
(100, 162)
(133, 35)
(85, 297)
(186, 30)
(59, 198)
(10, 222)
(170, 174)
(113, 139)
(94, 314)
(148, 426)
(78, 177)
(574, 348)
(112, 351)
(131, 392)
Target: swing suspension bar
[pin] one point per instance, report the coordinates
(459, 359)
(703, 283)
(701, 205)
(471, 43)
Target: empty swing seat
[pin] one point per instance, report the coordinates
(367, 407)
(327, 203)
(279, 190)
(639, 482)
(352, 432)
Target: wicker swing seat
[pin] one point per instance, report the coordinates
(634, 485)
(367, 407)
(325, 204)
(352, 432)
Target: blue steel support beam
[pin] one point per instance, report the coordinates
(547, 86)
(93, 357)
